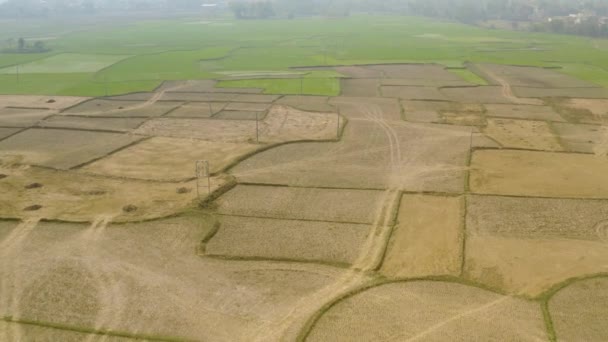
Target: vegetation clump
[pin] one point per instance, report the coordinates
(23, 46)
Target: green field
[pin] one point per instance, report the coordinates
(106, 59)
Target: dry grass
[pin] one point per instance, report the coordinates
(429, 311)
(427, 239)
(541, 174)
(523, 134)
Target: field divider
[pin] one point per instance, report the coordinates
(290, 219)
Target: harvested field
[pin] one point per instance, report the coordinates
(431, 311)
(73, 196)
(406, 156)
(35, 101)
(21, 117)
(279, 125)
(423, 82)
(521, 76)
(585, 93)
(589, 111)
(583, 138)
(102, 276)
(523, 134)
(92, 123)
(528, 245)
(255, 98)
(434, 72)
(464, 115)
(367, 107)
(579, 311)
(412, 93)
(527, 112)
(360, 87)
(443, 112)
(539, 174)
(255, 238)
(198, 97)
(61, 149)
(131, 97)
(308, 103)
(353, 206)
(116, 108)
(197, 110)
(480, 140)
(239, 115)
(359, 72)
(481, 94)
(244, 106)
(427, 239)
(7, 132)
(169, 159)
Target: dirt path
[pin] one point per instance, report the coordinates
(507, 91)
(370, 257)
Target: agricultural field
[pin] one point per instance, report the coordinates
(307, 185)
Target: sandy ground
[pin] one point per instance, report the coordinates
(522, 134)
(429, 311)
(7, 132)
(541, 174)
(169, 159)
(583, 138)
(34, 101)
(272, 239)
(354, 206)
(579, 311)
(73, 196)
(145, 279)
(427, 239)
(528, 245)
(61, 148)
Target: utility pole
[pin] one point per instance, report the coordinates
(302, 85)
(257, 129)
(18, 78)
(105, 84)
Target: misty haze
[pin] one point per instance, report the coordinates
(303, 170)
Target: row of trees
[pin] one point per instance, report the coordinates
(22, 46)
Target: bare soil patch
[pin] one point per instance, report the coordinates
(132, 97)
(355, 206)
(240, 115)
(367, 107)
(244, 106)
(521, 76)
(197, 97)
(73, 196)
(92, 123)
(523, 134)
(540, 174)
(35, 101)
(197, 110)
(114, 108)
(308, 103)
(427, 239)
(22, 117)
(527, 245)
(255, 98)
(359, 72)
(463, 114)
(397, 155)
(481, 94)
(360, 87)
(586, 93)
(481, 140)
(432, 72)
(423, 82)
(429, 311)
(61, 149)
(169, 159)
(103, 276)
(6, 132)
(590, 111)
(583, 138)
(579, 311)
(326, 242)
(542, 113)
(413, 93)
(279, 125)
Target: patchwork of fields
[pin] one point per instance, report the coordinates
(407, 202)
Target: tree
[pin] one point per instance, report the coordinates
(21, 44)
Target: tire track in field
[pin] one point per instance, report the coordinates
(11, 277)
(370, 257)
(507, 91)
